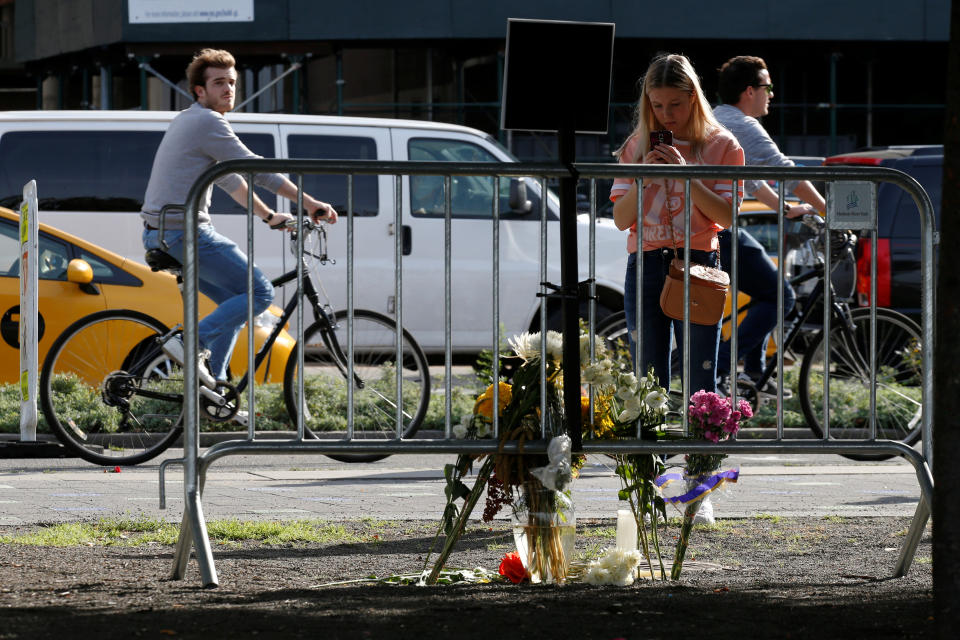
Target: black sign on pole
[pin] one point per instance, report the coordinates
(557, 78)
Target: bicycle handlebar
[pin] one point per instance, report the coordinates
(311, 227)
(813, 221)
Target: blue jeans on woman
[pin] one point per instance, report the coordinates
(656, 329)
(758, 279)
(222, 273)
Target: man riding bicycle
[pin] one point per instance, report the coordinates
(198, 138)
(746, 90)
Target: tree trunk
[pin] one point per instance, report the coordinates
(946, 431)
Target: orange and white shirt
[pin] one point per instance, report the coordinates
(663, 199)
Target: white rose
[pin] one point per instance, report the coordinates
(627, 381)
(484, 430)
(459, 431)
(655, 400)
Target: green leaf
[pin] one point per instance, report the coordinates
(460, 490)
(450, 514)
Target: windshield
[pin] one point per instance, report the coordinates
(553, 199)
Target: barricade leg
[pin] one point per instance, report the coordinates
(919, 524)
(181, 554)
(193, 533)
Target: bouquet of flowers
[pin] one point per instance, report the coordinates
(532, 483)
(713, 418)
(625, 406)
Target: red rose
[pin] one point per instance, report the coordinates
(512, 568)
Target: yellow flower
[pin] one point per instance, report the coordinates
(602, 425)
(484, 403)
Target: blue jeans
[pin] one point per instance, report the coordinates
(758, 279)
(656, 328)
(223, 278)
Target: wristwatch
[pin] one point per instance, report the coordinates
(268, 218)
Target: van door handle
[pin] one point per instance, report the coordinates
(406, 242)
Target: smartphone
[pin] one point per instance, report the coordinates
(663, 136)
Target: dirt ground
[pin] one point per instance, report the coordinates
(755, 578)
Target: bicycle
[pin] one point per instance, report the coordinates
(899, 407)
(112, 396)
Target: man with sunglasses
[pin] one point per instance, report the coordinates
(746, 89)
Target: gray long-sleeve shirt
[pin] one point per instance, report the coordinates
(758, 147)
(195, 140)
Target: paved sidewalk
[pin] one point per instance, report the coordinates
(411, 487)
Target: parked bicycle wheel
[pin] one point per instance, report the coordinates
(898, 405)
(375, 389)
(107, 390)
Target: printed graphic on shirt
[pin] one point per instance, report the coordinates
(663, 200)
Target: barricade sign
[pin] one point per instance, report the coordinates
(852, 205)
(28, 313)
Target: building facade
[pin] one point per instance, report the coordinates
(836, 66)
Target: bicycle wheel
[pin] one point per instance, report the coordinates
(107, 390)
(899, 393)
(375, 390)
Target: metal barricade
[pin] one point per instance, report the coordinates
(193, 530)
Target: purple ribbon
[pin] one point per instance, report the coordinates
(705, 485)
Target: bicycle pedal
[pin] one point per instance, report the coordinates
(212, 396)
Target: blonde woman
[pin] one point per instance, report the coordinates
(671, 99)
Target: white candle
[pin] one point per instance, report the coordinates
(626, 531)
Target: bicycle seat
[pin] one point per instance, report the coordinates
(160, 260)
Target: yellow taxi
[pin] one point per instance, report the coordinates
(68, 292)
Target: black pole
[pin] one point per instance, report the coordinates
(569, 288)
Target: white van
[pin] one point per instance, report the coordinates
(92, 168)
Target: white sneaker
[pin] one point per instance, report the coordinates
(705, 513)
(770, 388)
(173, 347)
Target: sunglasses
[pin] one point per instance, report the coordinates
(768, 87)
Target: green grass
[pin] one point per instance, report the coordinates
(719, 526)
(144, 530)
(327, 402)
(298, 531)
(605, 533)
(767, 516)
(105, 532)
(83, 402)
(837, 519)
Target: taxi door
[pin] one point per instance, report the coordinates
(60, 302)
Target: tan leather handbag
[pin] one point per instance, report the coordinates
(708, 293)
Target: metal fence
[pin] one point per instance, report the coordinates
(193, 531)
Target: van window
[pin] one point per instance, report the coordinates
(471, 196)
(78, 170)
(333, 188)
(221, 202)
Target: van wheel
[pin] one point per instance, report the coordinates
(555, 316)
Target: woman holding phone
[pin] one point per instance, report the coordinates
(674, 125)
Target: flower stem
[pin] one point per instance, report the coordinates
(688, 515)
(482, 476)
